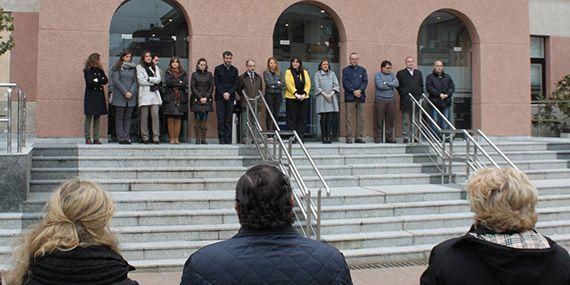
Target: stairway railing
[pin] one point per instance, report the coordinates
(20, 116)
(441, 143)
(276, 148)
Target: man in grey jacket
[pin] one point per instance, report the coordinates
(386, 84)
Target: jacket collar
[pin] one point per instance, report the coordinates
(480, 230)
(246, 231)
(325, 72)
(437, 74)
(246, 74)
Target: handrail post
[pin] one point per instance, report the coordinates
(9, 120)
(308, 226)
(319, 197)
(467, 157)
(443, 158)
(450, 171)
(25, 117)
(20, 127)
(413, 121)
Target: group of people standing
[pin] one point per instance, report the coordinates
(145, 87)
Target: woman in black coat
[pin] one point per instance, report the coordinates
(72, 243)
(502, 247)
(175, 100)
(202, 85)
(94, 103)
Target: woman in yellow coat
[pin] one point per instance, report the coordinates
(298, 85)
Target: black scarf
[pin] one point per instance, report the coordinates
(151, 72)
(299, 77)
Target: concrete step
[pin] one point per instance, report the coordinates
(236, 171)
(110, 150)
(223, 199)
(206, 184)
(139, 161)
(212, 172)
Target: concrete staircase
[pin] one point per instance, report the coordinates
(386, 204)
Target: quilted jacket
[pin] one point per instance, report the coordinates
(257, 257)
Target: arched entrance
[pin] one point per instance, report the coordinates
(307, 31)
(156, 25)
(446, 37)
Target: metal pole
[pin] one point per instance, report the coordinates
(443, 157)
(19, 123)
(9, 121)
(413, 120)
(450, 171)
(308, 226)
(319, 197)
(24, 117)
(467, 156)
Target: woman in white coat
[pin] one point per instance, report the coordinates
(148, 77)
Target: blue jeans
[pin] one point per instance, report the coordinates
(439, 120)
(201, 116)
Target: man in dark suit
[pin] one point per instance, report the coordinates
(250, 83)
(225, 78)
(411, 82)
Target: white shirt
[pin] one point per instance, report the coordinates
(411, 71)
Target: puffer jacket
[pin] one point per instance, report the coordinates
(94, 265)
(263, 257)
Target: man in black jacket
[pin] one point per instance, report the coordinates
(267, 249)
(440, 88)
(226, 80)
(411, 82)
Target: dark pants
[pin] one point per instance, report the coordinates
(383, 112)
(327, 120)
(89, 119)
(297, 116)
(274, 102)
(224, 111)
(123, 122)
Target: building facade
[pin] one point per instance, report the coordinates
(485, 45)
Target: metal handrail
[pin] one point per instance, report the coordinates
(442, 142)
(310, 212)
(20, 117)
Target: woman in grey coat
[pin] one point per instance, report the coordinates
(124, 92)
(327, 90)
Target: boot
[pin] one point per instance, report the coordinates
(197, 131)
(329, 130)
(204, 133)
(176, 130)
(170, 126)
(323, 131)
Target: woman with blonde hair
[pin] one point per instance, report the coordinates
(72, 244)
(273, 87)
(502, 247)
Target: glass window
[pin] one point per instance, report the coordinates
(537, 68)
(308, 32)
(155, 25)
(536, 47)
(536, 86)
(444, 36)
